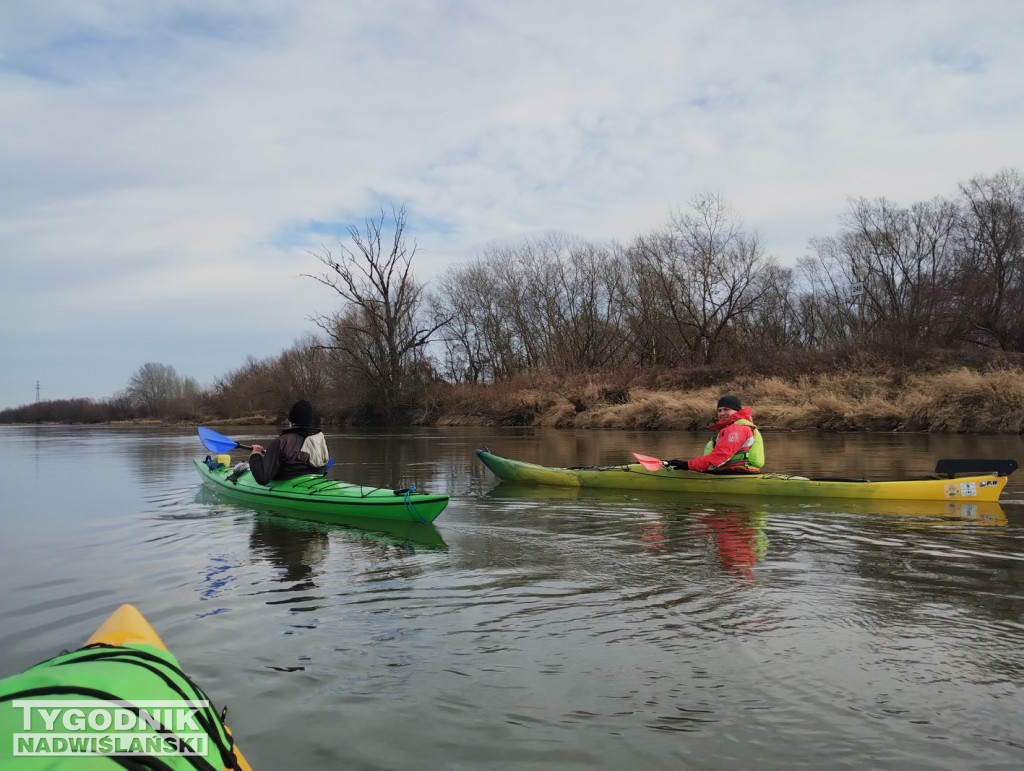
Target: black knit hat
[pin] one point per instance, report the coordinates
(301, 413)
(730, 401)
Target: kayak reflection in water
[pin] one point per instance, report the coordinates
(298, 548)
(737, 448)
(739, 539)
(299, 449)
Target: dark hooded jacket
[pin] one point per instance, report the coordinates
(287, 456)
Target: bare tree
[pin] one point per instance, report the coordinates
(474, 338)
(902, 259)
(776, 321)
(158, 390)
(305, 372)
(553, 301)
(585, 310)
(990, 282)
(695, 280)
(248, 390)
(380, 329)
(829, 309)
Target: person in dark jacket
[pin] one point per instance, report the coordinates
(299, 449)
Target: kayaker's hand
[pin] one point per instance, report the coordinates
(679, 465)
(257, 448)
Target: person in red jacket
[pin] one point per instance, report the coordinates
(737, 448)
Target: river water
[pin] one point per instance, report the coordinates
(541, 628)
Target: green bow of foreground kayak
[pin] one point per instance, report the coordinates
(313, 493)
(119, 701)
(981, 486)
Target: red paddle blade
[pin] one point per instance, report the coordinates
(649, 463)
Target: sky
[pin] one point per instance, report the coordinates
(167, 166)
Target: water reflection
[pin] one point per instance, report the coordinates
(218, 579)
(739, 539)
(299, 546)
(294, 546)
(988, 513)
(733, 530)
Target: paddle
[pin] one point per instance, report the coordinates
(215, 442)
(649, 463)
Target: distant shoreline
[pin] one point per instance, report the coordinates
(959, 401)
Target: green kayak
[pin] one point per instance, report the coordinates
(314, 493)
(120, 701)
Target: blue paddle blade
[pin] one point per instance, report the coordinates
(215, 442)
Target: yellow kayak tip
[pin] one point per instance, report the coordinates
(126, 626)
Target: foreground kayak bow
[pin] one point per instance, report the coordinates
(120, 700)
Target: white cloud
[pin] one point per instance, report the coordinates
(165, 164)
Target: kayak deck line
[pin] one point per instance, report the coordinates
(320, 486)
(985, 480)
(315, 484)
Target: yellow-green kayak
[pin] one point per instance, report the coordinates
(979, 486)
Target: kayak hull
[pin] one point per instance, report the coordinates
(315, 494)
(123, 666)
(983, 487)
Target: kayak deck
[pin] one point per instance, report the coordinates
(124, 666)
(976, 487)
(314, 493)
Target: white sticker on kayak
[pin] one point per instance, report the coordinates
(968, 489)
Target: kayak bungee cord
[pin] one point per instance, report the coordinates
(410, 507)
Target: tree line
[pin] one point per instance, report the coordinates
(892, 287)
(901, 280)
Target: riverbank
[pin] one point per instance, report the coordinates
(944, 400)
(957, 401)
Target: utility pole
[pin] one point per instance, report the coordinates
(37, 392)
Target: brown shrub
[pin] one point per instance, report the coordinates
(968, 402)
(879, 398)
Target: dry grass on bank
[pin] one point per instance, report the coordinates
(958, 401)
(969, 402)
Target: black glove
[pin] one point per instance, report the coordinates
(679, 465)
